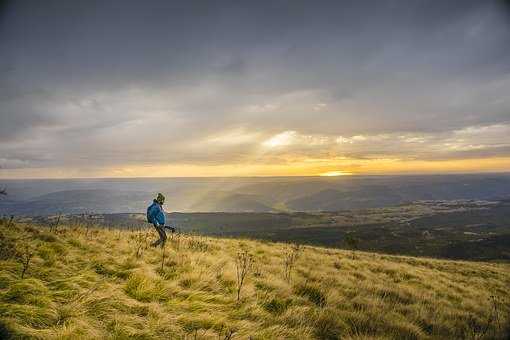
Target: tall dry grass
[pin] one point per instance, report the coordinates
(94, 283)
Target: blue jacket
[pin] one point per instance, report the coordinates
(156, 214)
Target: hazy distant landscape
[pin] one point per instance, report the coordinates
(273, 194)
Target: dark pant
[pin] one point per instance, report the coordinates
(162, 236)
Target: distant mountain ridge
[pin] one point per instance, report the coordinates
(43, 197)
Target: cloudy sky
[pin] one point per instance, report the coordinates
(253, 88)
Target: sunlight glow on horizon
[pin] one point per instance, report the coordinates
(335, 173)
(302, 167)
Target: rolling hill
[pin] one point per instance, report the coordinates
(90, 283)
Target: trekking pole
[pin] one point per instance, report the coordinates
(170, 228)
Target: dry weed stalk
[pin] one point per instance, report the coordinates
(244, 263)
(163, 248)
(175, 239)
(353, 243)
(492, 322)
(289, 260)
(140, 240)
(87, 224)
(11, 222)
(229, 333)
(198, 243)
(24, 256)
(54, 226)
(146, 240)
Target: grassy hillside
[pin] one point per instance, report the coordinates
(97, 283)
(456, 230)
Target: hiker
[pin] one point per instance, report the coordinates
(156, 216)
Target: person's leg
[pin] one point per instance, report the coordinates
(161, 238)
(162, 235)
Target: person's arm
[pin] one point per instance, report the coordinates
(160, 217)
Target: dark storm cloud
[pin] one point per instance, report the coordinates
(103, 81)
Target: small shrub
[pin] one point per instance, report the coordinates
(312, 293)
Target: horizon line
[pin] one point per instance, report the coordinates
(507, 172)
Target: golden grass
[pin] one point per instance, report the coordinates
(92, 284)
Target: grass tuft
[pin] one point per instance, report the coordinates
(276, 305)
(312, 292)
(145, 289)
(328, 326)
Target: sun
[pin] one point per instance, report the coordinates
(335, 173)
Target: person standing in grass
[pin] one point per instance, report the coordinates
(156, 216)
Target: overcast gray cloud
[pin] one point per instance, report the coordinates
(115, 83)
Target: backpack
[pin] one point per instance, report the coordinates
(149, 214)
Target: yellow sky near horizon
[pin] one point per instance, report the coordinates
(305, 167)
